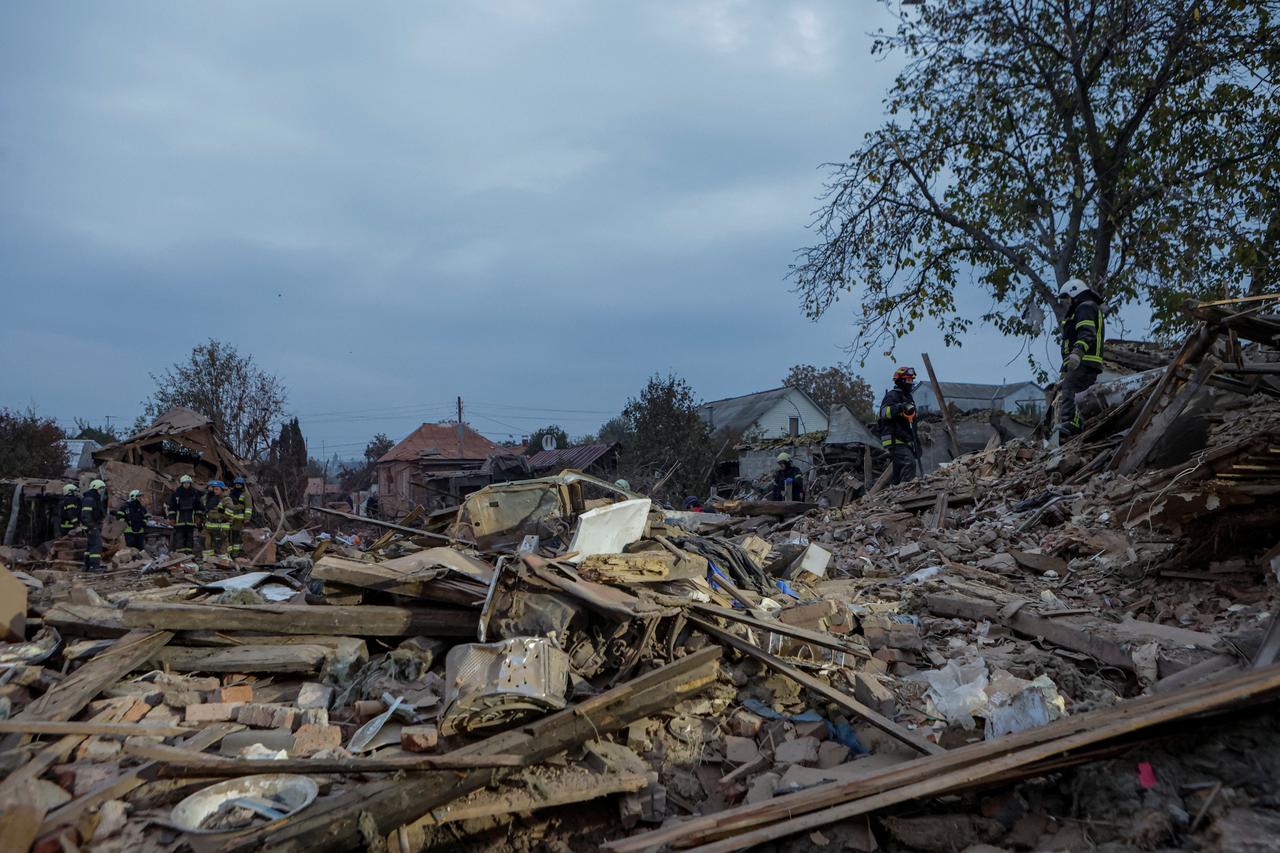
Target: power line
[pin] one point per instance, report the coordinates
(541, 408)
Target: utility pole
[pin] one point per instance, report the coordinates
(459, 427)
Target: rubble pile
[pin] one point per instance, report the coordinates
(1034, 647)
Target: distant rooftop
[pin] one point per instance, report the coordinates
(739, 413)
(440, 441)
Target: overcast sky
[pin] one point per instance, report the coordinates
(534, 205)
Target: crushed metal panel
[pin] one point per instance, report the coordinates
(609, 529)
(513, 511)
(516, 606)
(504, 513)
(491, 685)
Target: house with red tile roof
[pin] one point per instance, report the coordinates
(429, 451)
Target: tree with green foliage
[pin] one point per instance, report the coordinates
(535, 440)
(104, 434)
(286, 464)
(615, 431)
(833, 386)
(30, 445)
(243, 402)
(1131, 143)
(672, 450)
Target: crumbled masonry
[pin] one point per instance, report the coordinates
(1044, 644)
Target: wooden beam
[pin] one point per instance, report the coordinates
(364, 519)
(331, 823)
(69, 813)
(1193, 349)
(1131, 454)
(753, 824)
(37, 727)
(823, 689)
(1066, 632)
(385, 539)
(69, 697)
(966, 777)
(942, 404)
(247, 658)
(359, 620)
(55, 753)
(817, 638)
(189, 762)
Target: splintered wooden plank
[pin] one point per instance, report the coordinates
(69, 697)
(257, 659)
(1088, 638)
(55, 753)
(189, 762)
(823, 689)
(332, 823)
(36, 727)
(69, 813)
(86, 620)
(356, 621)
(1029, 750)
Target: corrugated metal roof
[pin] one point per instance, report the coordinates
(442, 438)
(581, 457)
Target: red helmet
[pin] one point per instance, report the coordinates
(904, 374)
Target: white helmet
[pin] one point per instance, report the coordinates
(1072, 287)
(135, 493)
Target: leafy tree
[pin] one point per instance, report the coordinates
(286, 465)
(243, 402)
(669, 436)
(1131, 143)
(104, 434)
(615, 431)
(535, 440)
(29, 445)
(832, 386)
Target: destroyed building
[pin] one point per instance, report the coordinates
(432, 466)
(1036, 646)
(1011, 397)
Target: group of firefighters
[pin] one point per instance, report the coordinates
(1080, 333)
(220, 514)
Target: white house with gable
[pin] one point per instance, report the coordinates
(776, 413)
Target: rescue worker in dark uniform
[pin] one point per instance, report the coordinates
(898, 431)
(185, 511)
(134, 516)
(69, 510)
(1081, 334)
(241, 516)
(787, 474)
(93, 511)
(217, 519)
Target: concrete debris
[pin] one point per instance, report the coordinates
(997, 643)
